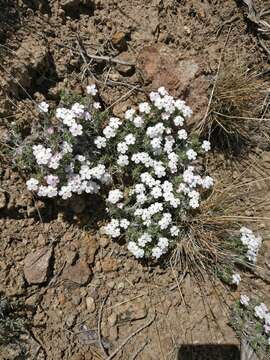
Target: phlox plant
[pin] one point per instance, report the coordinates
(147, 166)
(251, 319)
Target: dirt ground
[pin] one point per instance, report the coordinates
(85, 284)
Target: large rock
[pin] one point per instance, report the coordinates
(37, 265)
(160, 66)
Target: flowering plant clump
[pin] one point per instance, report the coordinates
(252, 319)
(161, 183)
(148, 159)
(65, 160)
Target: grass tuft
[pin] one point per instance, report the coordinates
(236, 108)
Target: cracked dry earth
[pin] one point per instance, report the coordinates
(50, 257)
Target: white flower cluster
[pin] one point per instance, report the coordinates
(153, 148)
(149, 153)
(261, 312)
(252, 243)
(63, 171)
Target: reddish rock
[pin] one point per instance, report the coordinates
(36, 265)
(119, 40)
(160, 66)
(79, 273)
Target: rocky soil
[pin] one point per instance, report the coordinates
(84, 294)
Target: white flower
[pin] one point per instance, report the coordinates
(65, 192)
(252, 242)
(51, 191)
(112, 229)
(114, 123)
(122, 147)
(182, 134)
(206, 145)
(144, 108)
(157, 252)
(124, 223)
(191, 154)
(207, 182)
(122, 160)
(78, 109)
(91, 90)
(162, 91)
(32, 184)
(55, 161)
(236, 278)
(163, 243)
(156, 192)
(100, 142)
(87, 116)
(261, 311)
(244, 300)
(96, 105)
(42, 154)
(174, 231)
(178, 121)
(43, 107)
(144, 239)
(85, 172)
(165, 221)
(66, 147)
(138, 122)
(76, 129)
(129, 114)
(130, 139)
(115, 196)
(52, 180)
(109, 132)
(135, 250)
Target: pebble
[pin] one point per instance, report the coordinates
(90, 304)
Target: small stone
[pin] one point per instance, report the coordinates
(76, 300)
(3, 200)
(127, 69)
(91, 246)
(111, 284)
(32, 300)
(112, 319)
(79, 273)
(36, 265)
(90, 304)
(133, 311)
(70, 320)
(119, 40)
(109, 264)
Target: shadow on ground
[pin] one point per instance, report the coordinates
(208, 352)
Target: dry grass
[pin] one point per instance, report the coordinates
(211, 242)
(237, 106)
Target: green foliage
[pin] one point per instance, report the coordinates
(12, 320)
